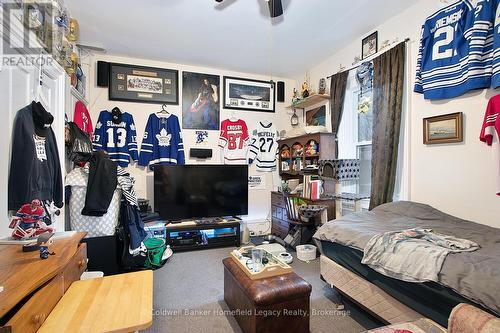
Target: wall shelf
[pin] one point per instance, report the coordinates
(309, 101)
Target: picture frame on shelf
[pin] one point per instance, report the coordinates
(446, 128)
(316, 116)
(142, 84)
(369, 45)
(249, 95)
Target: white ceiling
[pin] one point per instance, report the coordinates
(235, 35)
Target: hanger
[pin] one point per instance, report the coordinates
(163, 111)
(39, 97)
(233, 116)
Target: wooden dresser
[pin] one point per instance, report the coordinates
(32, 286)
(280, 225)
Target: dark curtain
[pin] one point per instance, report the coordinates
(388, 79)
(337, 92)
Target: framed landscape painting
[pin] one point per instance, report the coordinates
(443, 129)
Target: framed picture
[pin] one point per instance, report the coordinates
(369, 45)
(443, 129)
(249, 95)
(200, 101)
(316, 117)
(142, 84)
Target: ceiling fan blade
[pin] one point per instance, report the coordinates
(275, 8)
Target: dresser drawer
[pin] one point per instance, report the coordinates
(34, 312)
(277, 199)
(76, 266)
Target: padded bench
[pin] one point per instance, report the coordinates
(269, 304)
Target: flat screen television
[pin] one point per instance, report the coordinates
(197, 191)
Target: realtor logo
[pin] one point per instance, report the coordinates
(27, 27)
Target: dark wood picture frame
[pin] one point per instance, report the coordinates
(443, 131)
(366, 41)
(118, 89)
(249, 104)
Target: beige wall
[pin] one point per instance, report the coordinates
(259, 201)
(459, 179)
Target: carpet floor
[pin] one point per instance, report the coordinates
(189, 297)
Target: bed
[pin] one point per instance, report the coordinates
(466, 277)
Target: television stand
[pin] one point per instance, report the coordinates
(191, 235)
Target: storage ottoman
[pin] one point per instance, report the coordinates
(267, 305)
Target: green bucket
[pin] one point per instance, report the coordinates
(156, 247)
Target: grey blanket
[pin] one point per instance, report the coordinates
(412, 255)
(475, 275)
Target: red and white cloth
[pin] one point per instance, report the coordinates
(233, 141)
(82, 119)
(491, 127)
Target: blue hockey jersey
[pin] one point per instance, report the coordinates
(453, 48)
(482, 55)
(119, 140)
(495, 80)
(162, 143)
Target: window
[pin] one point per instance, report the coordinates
(355, 133)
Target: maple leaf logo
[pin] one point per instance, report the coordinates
(163, 138)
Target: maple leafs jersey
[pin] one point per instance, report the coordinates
(264, 147)
(234, 141)
(491, 126)
(495, 80)
(443, 58)
(483, 44)
(162, 143)
(118, 140)
(459, 50)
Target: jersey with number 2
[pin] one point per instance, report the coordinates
(118, 140)
(445, 66)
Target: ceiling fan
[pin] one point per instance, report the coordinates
(275, 7)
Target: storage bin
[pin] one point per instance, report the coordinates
(306, 252)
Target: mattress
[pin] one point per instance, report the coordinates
(472, 275)
(430, 299)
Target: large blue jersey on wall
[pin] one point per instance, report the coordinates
(117, 139)
(162, 143)
(456, 50)
(495, 80)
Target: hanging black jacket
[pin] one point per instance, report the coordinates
(101, 184)
(35, 170)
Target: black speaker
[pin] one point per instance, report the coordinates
(200, 153)
(281, 91)
(102, 74)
